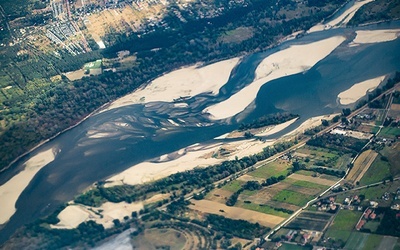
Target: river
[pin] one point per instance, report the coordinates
(145, 132)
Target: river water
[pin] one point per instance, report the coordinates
(141, 132)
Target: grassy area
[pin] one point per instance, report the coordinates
(338, 234)
(323, 157)
(363, 241)
(275, 168)
(378, 171)
(262, 209)
(393, 155)
(292, 197)
(345, 220)
(308, 184)
(233, 186)
(390, 132)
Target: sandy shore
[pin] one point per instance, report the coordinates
(375, 36)
(12, 189)
(341, 20)
(75, 214)
(359, 90)
(276, 128)
(184, 82)
(292, 60)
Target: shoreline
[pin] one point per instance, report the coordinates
(359, 90)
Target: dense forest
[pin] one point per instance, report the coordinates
(42, 106)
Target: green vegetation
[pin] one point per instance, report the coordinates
(378, 171)
(363, 241)
(341, 143)
(292, 197)
(239, 228)
(275, 168)
(345, 220)
(308, 184)
(233, 186)
(264, 209)
(378, 10)
(268, 120)
(390, 132)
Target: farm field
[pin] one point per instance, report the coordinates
(308, 220)
(363, 241)
(321, 180)
(233, 186)
(343, 224)
(361, 165)
(275, 168)
(236, 213)
(378, 171)
(390, 132)
(262, 209)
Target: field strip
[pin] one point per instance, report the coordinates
(361, 165)
(236, 213)
(372, 157)
(315, 180)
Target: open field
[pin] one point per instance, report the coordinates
(361, 165)
(292, 197)
(262, 209)
(390, 132)
(317, 180)
(157, 238)
(389, 242)
(236, 213)
(392, 153)
(378, 171)
(219, 195)
(233, 186)
(275, 168)
(363, 241)
(343, 224)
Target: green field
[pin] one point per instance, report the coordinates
(378, 171)
(286, 246)
(233, 186)
(262, 209)
(292, 197)
(343, 225)
(363, 241)
(308, 184)
(275, 168)
(390, 132)
(324, 157)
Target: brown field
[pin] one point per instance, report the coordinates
(277, 204)
(365, 128)
(75, 75)
(317, 180)
(219, 195)
(264, 195)
(361, 165)
(395, 107)
(235, 213)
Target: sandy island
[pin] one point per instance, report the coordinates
(341, 20)
(374, 36)
(183, 82)
(292, 60)
(12, 189)
(359, 90)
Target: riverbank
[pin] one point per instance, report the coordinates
(358, 90)
(12, 189)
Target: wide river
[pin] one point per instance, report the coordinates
(146, 132)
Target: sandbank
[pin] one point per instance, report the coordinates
(341, 20)
(311, 123)
(75, 214)
(375, 36)
(12, 189)
(292, 60)
(185, 82)
(359, 90)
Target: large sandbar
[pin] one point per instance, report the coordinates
(293, 60)
(359, 90)
(189, 81)
(12, 189)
